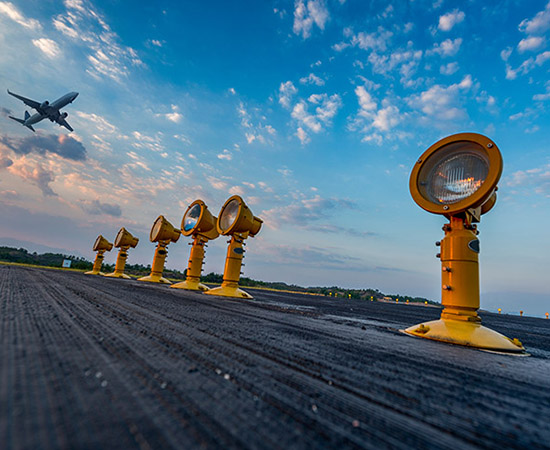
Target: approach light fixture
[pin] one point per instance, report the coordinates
(123, 241)
(162, 232)
(457, 177)
(235, 220)
(101, 245)
(201, 224)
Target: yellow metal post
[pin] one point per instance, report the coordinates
(158, 264)
(120, 264)
(96, 268)
(232, 271)
(521, 313)
(460, 323)
(547, 315)
(194, 267)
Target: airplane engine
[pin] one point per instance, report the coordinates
(65, 115)
(45, 104)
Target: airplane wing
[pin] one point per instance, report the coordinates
(33, 104)
(66, 125)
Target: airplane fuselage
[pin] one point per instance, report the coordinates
(45, 110)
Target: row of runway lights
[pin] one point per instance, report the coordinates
(456, 177)
(235, 219)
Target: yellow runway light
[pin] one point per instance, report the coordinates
(162, 232)
(457, 177)
(201, 224)
(123, 241)
(499, 310)
(235, 220)
(101, 245)
(521, 313)
(547, 315)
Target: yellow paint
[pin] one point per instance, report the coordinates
(162, 232)
(124, 240)
(459, 322)
(101, 245)
(203, 231)
(239, 227)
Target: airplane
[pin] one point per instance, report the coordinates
(45, 110)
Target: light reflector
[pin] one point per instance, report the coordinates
(229, 214)
(191, 217)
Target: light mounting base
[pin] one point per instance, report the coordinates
(229, 290)
(465, 333)
(190, 285)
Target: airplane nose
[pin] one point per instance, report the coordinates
(75, 94)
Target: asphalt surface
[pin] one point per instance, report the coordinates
(92, 362)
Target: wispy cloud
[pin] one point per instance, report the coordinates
(107, 57)
(308, 13)
(449, 20)
(48, 47)
(10, 10)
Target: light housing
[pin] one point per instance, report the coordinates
(125, 239)
(162, 230)
(102, 244)
(236, 217)
(457, 177)
(456, 174)
(199, 223)
(199, 220)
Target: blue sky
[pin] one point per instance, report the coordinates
(314, 111)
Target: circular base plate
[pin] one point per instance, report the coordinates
(224, 291)
(118, 275)
(465, 333)
(190, 286)
(153, 279)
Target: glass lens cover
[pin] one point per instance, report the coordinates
(453, 173)
(229, 214)
(191, 217)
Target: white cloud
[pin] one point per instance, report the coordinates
(442, 103)
(449, 69)
(174, 116)
(449, 20)
(383, 63)
(312, 79)
(236, 190)
(48, 47)
(530, 43)
(226, 155)
(156, 42)
(448, 47)
(371, 120)
(377, 40)
(286, 92)
(325, 107)
(107, 57)
(505, 54)
(307, 13)
(538, 24)
(254, 132)
(9, 10)
(302, 136)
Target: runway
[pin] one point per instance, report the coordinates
(92, 362)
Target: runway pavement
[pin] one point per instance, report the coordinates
(93, 362)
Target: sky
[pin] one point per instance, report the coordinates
(314, 111)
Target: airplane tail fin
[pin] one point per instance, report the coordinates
(22, 122)
(27, 115)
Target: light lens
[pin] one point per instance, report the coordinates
(156, 229)
(119, 236)
(191, 217)
(454, 173)
(96, 243)
(229, 214)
